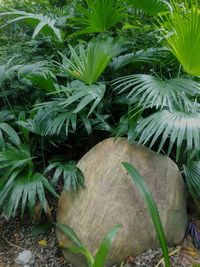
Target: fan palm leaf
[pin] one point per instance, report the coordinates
(181, 33)
(20, 186)
(15, 157)
(63, 119)
(89, 63)
(26, 72)
(41, 23)
(6, 115)
(84, 96)
(38, 125)
(25, 191)
(72, 175)
(99, 15)
(10, 132)
(7, 71)
(151, 7)
(192, 175)
(178, 127)
(153, 91)
(149, 55)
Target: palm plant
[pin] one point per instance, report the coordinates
(20, 186)
(89, 63)
(99, 15)
(173, 119)
(180, 31)
(72, 175)
(65, 120)
(40, 23)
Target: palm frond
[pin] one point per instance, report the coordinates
(72, 176)
(149, 55)
(151, 7)
(20, 186)
(24, 191)
(10, 133)
(15, 157)
(38, 74)
(83, 96)
(6, 115)
(64, 121)
(155, 92)
(99, 16)
(41, 23)
(180, 31)
(44, 81)
(7, 71)
(89, 63)
(27, 72)
(38, 125)
(178, 128)
(128, 122)
(192, 174)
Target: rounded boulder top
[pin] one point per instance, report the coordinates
(111, 198)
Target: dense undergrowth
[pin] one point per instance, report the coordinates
(73, 73)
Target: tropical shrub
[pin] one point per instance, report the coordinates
(72, 76)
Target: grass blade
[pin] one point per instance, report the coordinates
(140, 183)
(105, 246)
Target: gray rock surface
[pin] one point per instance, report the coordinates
(24, 258)
(111, 198)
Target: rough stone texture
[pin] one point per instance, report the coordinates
(111, 198)
(24, 257)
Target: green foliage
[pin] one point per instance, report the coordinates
(191, 172)
(66, 85)
(89, 63)
(179, 128)
(40, 23)
(72, 175)
(153, 210)
(84, 94)
(151, 7)
(7, 71)
(20, 186)
(181, 32)
(155, 92)
(100, 258)
(99, 15)
(10, 132)
(149, 55)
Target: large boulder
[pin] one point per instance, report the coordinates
(111, 198)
